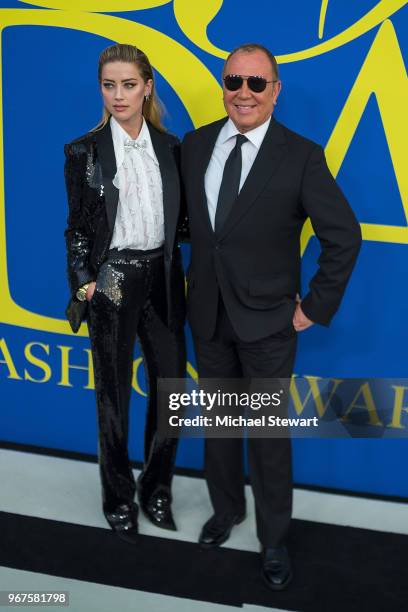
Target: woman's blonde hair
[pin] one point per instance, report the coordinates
(152, 109)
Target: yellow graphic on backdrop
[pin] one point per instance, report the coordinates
(382, 74)
(194, 19)
(322, 17)
(98, 6)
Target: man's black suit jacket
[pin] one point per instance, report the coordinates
(93, 200)
(254, 261)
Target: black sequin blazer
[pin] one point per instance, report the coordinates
(93, 200)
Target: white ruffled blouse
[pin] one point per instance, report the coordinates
(139, 220)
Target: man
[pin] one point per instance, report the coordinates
(250, 185)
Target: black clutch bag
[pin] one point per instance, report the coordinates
(75, 313)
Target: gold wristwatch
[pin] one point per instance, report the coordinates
(81, 293)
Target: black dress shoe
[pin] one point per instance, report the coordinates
(158, 510)
(218, 529)
(276, 569)
(123, 521)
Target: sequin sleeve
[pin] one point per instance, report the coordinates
(77, 236)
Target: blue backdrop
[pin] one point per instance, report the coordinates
(344, 86)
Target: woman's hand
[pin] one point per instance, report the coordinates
(90, 291)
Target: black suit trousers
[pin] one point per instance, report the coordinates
(269, 459)
(130, 302)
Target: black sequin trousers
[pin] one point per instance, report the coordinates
(129, 302)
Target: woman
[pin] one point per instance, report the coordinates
(126, 276)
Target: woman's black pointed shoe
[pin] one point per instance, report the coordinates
(158, 510)
(123, 521)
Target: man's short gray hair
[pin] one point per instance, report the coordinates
(250, 48)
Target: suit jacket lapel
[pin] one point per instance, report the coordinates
(203, 156)
(106, 154)
(170, 183)
(270, 156)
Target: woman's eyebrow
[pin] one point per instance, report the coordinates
(122, 81)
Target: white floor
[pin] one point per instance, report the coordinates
(68, 490)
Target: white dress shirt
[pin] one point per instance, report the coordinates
(223, 147)
(139, 222)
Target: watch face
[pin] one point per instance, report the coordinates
(81, 296)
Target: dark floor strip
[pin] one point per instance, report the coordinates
(336, 568)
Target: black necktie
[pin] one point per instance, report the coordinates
(230, 183)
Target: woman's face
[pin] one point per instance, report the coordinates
(123, 91)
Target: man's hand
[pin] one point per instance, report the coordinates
(90, 291)
(300, 320)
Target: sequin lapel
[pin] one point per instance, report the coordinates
(106, 155)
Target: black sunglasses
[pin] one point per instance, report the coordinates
(233, 82)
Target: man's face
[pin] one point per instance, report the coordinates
(246, 108)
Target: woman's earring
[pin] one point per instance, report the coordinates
(147, 97)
